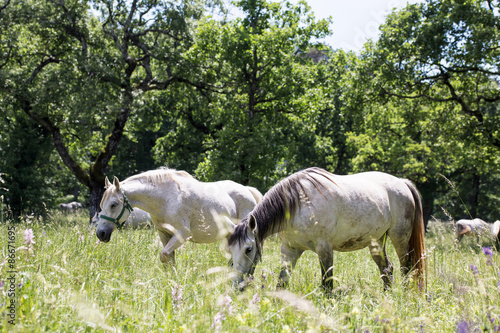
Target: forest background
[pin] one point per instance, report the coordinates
(90, 89)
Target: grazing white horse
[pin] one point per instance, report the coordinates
(318, 211)
(71, 207)
(181, 207)
(136, 220)
(478, 228)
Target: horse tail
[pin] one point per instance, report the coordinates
(416, 246)
(255, 193)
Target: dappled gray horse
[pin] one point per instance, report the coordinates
(318, 211)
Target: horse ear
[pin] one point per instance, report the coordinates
(252, 224)
(107, 184)
(116, 182)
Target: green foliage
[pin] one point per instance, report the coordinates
(25, 157)
(431, 101)
(119, 87)
(257, 98)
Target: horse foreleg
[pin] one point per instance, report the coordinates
(325, 254)
(171, 243)
(289, 257)
(377, 251)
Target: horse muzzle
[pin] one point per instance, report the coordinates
(103, 235)
(238, 280)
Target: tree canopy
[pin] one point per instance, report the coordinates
(95, 88)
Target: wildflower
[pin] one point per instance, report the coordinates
(29, 237)
(219, 317)
(226, 309)
(227, 305)
(177, 295)
(463, 327)
(256, 299)
(489, 254)
(2, 283)
(474, 269)
(496, 328)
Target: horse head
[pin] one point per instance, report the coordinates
(245, 250)
(115, 209)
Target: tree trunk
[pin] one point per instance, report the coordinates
(96, 192)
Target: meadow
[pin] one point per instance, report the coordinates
(67, 281)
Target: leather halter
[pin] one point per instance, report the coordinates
(126, 205)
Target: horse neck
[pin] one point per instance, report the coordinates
(267, 225)
(143, 196)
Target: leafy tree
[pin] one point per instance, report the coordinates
(431, 102)
(259, 97)
(81, 76)
(447, 52)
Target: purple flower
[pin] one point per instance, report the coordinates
(256, 299)
(29, 237)
(2, 283)
(463, 327)
(487, 252)
(219, 317)
(474, 269)
(177, 295)
(227, 304)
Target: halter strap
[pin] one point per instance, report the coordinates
(126, 205)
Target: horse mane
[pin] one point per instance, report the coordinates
(280, 204)
(159, 176)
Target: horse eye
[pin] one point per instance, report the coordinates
(249, 249)
(114, 205)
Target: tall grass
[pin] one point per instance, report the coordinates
(68, 281)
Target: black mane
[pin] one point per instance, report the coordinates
(279, 205)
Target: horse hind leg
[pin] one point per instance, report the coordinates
(379, 255)
(325, 254)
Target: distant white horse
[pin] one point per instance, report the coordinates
(70, 207)
(478, 228)
(136, 220)
(181, 207)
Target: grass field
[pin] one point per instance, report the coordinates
(69, 282)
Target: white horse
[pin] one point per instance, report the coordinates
(181, 207)
(136, 220)
(70, 207)
(318, 211)
(478, 228)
